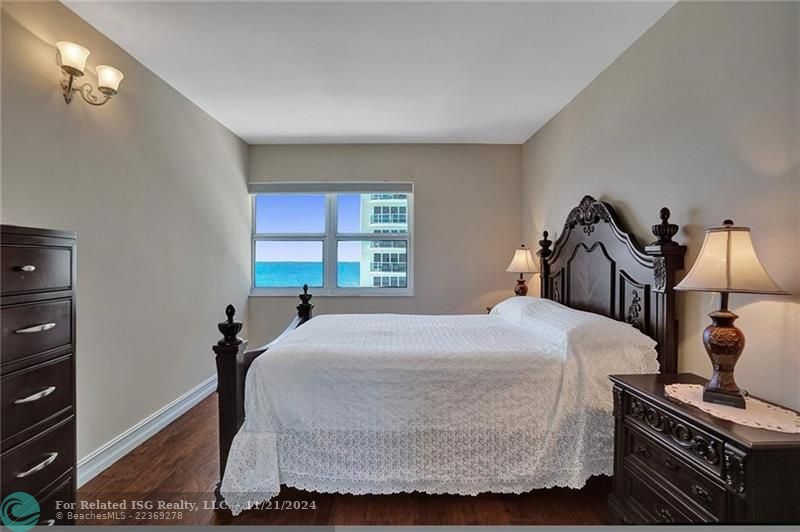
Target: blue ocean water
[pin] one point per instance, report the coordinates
(293, 274)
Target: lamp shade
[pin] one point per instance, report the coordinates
(108, 79)
(523, 261)
(728, 263)
(72, 57)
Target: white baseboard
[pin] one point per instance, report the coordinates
(98, 460)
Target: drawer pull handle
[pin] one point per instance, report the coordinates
(701, 494)
(36, 328)
(670, 465)
(35, 397)
(27, 268)
(664, 516)
(642, 451)
(51, 457)
(49, 522)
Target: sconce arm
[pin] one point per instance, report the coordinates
(86, 91)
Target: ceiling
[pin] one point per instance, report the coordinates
(331, 72)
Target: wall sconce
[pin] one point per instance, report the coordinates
(71, 58)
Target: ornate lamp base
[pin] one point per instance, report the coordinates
(724, 343)
(521, 289)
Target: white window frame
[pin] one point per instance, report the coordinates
(330, 239)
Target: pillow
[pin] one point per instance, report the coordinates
(569, 328)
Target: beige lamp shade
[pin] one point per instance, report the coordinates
(108, 79)
(72, 57)
(728, 263)
(523, 261)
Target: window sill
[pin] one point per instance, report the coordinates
(320, 293)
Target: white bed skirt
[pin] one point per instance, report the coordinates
(429, 461)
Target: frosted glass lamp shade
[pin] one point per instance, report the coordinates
(72, 57)
(108, 79)
(728, 263)
(522, 262)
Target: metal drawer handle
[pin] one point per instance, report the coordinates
(35, 397)
(49, 522)
(701, 494)
(51, 457)
(642, 451)
(27, 268)
(36, 328)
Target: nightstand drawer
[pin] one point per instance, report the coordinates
(683, 437)
(654, 506)
(654, 458)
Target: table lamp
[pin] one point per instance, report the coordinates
(727, 264)
(522, 263)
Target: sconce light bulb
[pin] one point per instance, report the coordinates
(72, 57)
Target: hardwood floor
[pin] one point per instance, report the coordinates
(180, 464)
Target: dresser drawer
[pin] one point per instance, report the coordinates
(34, 394)
(35, 464)
(32, 328)
(686, 439)
(655, 506)
(35, 269)
(655, 458)
(64, 492)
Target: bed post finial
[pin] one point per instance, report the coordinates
(665, 230)
(304, 308)
(230, 328)
(544, 267)
(667, 260)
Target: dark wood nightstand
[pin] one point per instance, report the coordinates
(674, 463)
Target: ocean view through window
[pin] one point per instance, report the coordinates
(348, 243)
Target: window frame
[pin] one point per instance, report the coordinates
(330, 239)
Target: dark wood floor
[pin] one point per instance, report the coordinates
(180, 464)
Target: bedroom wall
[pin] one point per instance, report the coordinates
(701, 114)
(466, 213)
(156, 191)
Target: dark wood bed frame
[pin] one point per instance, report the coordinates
(595, 265)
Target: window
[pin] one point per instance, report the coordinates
(339, 242)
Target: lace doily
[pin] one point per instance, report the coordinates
(758, 414)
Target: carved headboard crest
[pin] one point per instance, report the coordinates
(587, 214)
(598, 266)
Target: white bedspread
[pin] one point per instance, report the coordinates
(441, 404)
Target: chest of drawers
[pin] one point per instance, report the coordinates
(676, 464)
(37, 366)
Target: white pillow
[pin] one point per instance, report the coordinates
(570, 328)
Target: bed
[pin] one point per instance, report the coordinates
(507, 402)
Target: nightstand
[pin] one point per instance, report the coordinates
(674, 463)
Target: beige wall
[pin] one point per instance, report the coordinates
(156, 190)
(701, 114)
(466, 213)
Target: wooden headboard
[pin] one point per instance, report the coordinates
(598, 266)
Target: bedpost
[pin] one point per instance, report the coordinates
(544, 266)
(230, 358)
(668, 259)
(304, 308)
(233, 361)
